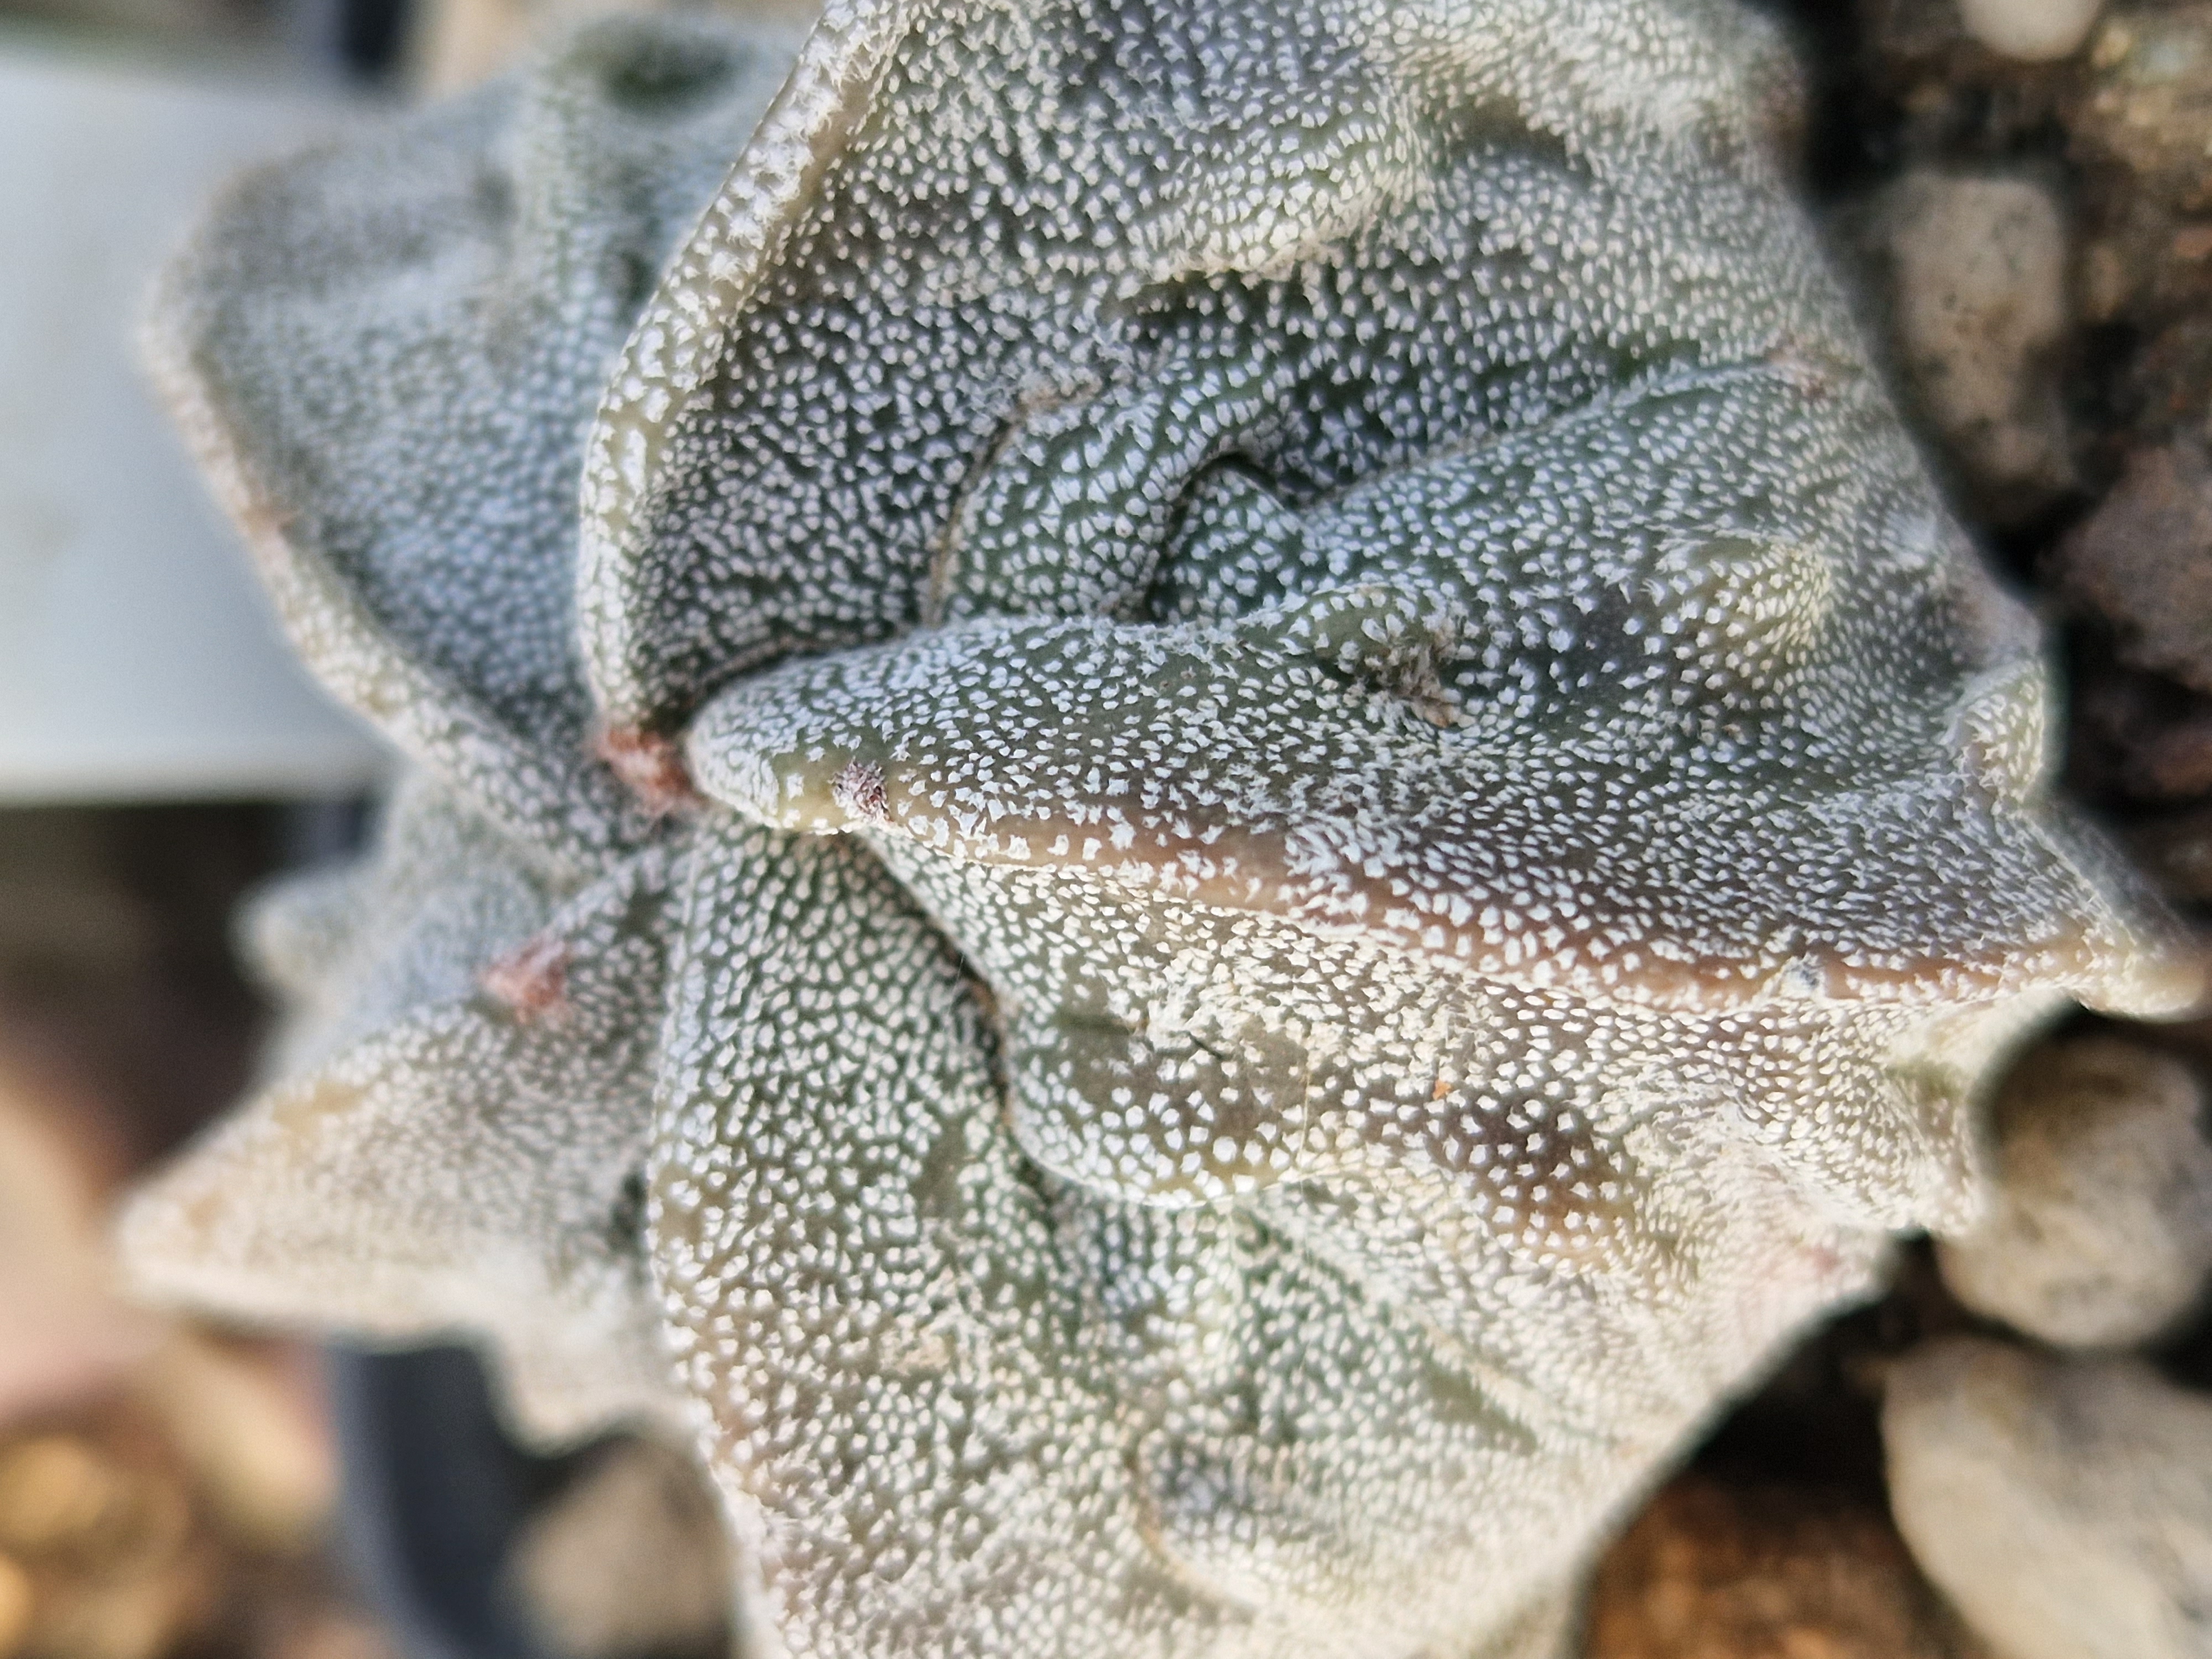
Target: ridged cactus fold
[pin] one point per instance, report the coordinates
(1200, 801)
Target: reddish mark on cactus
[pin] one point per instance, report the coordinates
(861, 790)
(651, 767)
(532, 979)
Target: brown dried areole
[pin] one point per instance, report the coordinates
(1312, 842)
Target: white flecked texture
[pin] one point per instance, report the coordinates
(1341, 824)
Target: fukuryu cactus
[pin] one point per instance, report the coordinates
(1232, 810)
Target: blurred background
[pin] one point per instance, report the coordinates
(169, 1491)
(2021, 191)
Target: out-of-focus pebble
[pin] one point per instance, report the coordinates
(139, 1615)
(2036, 31)
(62, 1332)
(334, 1636)
(255, 1447)
(2064, 1505)
(2099, 1233)
(2176, 853)
(2134, 734)
(640, 1514)
(1975, 270)
(2142, 563)
(2148, 104)
(18, 1599)
(1708, 1571)
(130, 1547)
(56, 1492)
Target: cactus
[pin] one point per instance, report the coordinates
(1188, 830)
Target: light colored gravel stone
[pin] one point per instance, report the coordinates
(2064, 1505)
(640, 1514)
(2142, 104)
(2034, 30)
(2101, 1233)
(1975, 270)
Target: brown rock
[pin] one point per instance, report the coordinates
(129, 1545)
(56, 1492)
(334, 1636)
(2171, 764)
(16, 1605)
(2167, 387)
(2176, 853)
(2132, 735)
(2142, 563)
(1710, 1571)
(138, 1615)
(105, 1539)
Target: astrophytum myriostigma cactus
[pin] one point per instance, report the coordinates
(1259, 813)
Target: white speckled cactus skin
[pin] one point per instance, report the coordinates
(1259, 814)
